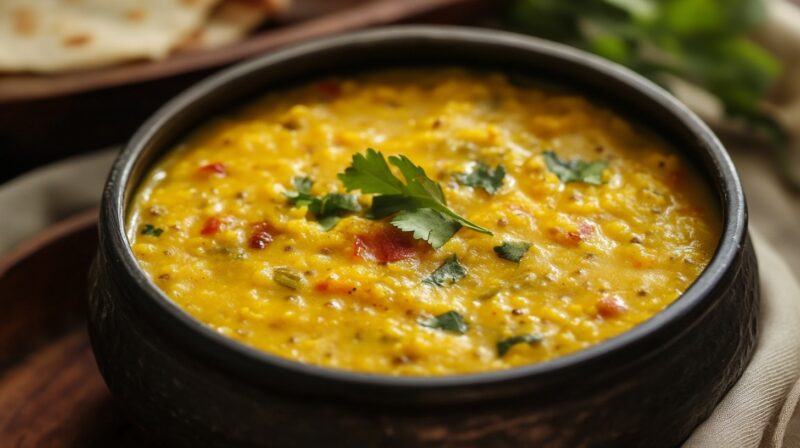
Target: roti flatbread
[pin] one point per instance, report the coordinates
(57, 35)
(231, 20)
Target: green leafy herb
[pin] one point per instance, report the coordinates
(371, 174)
(303, 186)
(287, 277)
(450, 321)
(512, 250)
(151, 230)
(505, 345)
(575, 170)
(328, 209)
(484, 177)
(428, 225)
(448, 273)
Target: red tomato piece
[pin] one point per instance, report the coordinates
(385, 245)
(611, 306)
(262, 235)
(213, 168)
(212, 226)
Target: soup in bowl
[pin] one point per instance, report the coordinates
(423, 236)
(534, 223)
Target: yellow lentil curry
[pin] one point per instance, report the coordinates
(422, 222)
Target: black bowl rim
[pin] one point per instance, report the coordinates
(245, 358)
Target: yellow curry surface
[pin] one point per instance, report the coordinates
(213, 226)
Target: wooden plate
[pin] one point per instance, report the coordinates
(307, 19)
(46, 117)
(51, 393)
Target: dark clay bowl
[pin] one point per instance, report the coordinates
(189, 386)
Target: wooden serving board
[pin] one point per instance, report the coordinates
(51, 393)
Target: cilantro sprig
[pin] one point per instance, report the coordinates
(419, 202)
(484, 177)
(328, 209)
(575, 170)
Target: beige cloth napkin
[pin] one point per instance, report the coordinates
(760, 411)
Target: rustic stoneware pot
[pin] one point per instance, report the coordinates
(188, 386)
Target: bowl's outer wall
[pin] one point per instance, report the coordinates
(652, 391)
(183, 401)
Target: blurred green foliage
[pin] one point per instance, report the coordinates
(703, 42)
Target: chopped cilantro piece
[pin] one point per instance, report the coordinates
(505, 345)
(151, 230)
(484, 177)
(328, 209)
(575, 170)
(303, 184)
(450, 321)
(512, 250)
(448, 273)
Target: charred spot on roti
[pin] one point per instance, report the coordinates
(25, 21)
(77, 40)
(135, 15)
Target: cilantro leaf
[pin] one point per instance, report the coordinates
(371, 174)
(419, 184)
(512, 250)
(333, 203)
(329, 222)
(303, 184)
(328, 209)
(484, 177)
(302, 197)
(151, 230)
(389, 204)
(448, 273)
(575, 170)
(505, 345)
(428, 225)
(450, 321)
